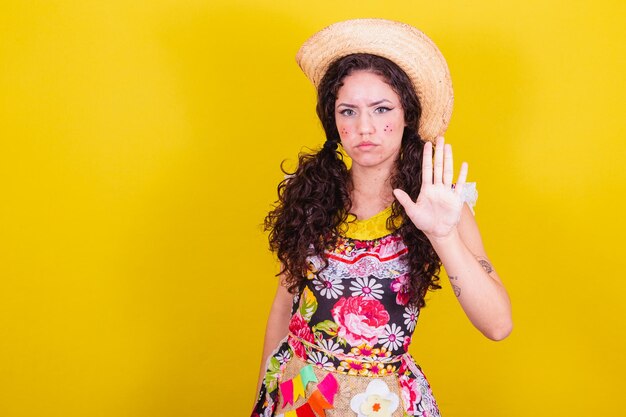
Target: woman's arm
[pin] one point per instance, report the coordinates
(448, 223)
(277, 325)
(474, 281)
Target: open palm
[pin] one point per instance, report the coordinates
(437, 210)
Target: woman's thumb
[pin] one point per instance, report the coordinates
(403, 198)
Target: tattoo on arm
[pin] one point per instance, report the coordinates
(485, 264)
(455, 288)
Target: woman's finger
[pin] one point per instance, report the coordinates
(403, 198)
(460, 183)
(438, 164)
(427, 164)
(448, 164)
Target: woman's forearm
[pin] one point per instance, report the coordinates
(277, 326)
(477, 287)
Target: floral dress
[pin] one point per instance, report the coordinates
(346, 353)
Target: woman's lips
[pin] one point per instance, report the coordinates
(366, 145)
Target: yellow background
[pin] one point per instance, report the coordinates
(140, 145)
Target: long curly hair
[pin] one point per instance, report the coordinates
(314, 200)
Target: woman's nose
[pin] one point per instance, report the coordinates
(365, 125)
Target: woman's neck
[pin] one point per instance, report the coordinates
(371, 191)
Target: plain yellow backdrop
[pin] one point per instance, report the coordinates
(140, 151)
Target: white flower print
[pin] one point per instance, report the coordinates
(393, 337)
(331, 347)
(317, 358)
(376, 400)
(367, 288)
(410, 317)
(283, 357)
(330, 287)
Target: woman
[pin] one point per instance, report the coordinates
(360, 247)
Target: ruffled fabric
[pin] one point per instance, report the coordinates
(470, 195)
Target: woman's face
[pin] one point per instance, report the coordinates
(370, 120)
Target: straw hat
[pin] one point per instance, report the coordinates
(403, 44)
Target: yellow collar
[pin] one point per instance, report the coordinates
(372, 228)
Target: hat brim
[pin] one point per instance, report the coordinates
(401, 43)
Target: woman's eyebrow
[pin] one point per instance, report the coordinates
(375, 103)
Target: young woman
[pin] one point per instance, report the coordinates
(360, 247)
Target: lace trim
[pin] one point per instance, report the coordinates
(369, 229)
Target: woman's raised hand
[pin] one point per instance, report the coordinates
(437, 210)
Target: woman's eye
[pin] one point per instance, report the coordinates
(382, 109)
(347, 112)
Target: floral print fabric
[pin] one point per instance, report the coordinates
(353, 318)
(360, 299)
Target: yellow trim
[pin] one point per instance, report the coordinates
(369, 229)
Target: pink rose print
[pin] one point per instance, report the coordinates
(361, 244)
(410, 393)
(407, 342)
(388, 246)
(360, 320)
(299, 327)
(400, 286)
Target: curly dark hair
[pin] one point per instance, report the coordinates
(314, 200)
